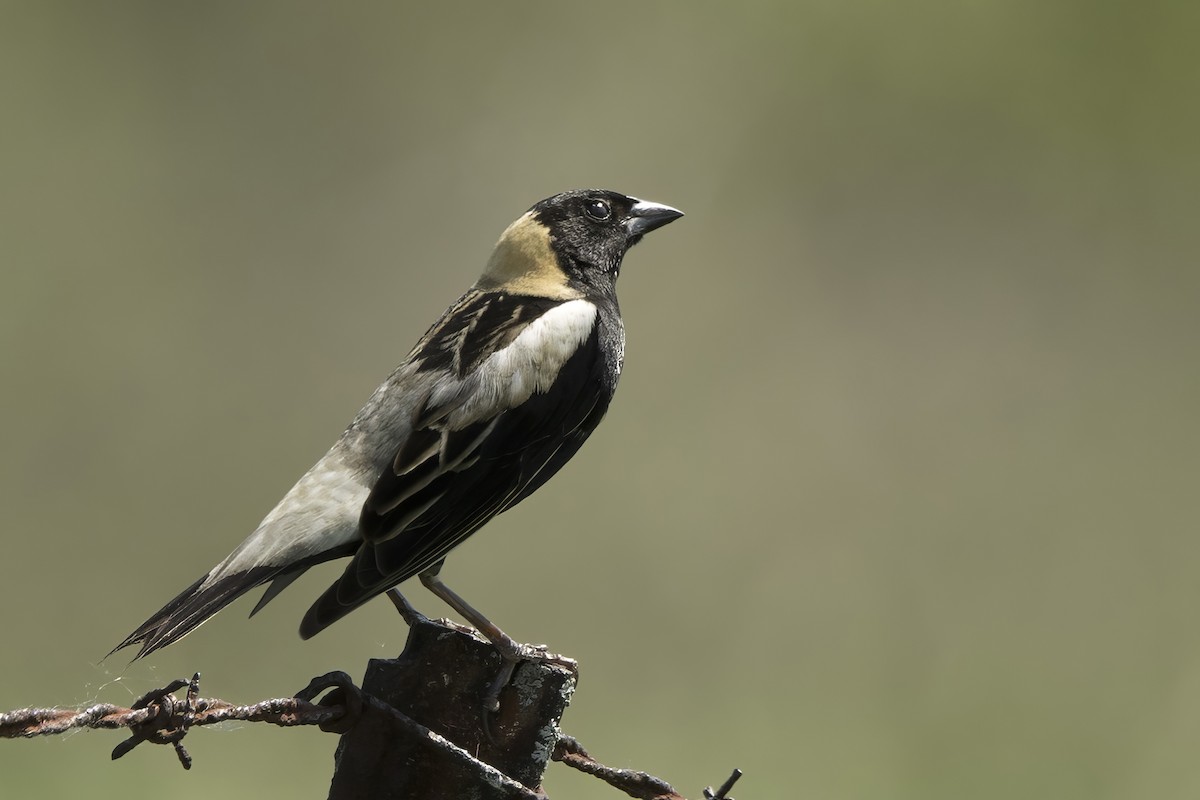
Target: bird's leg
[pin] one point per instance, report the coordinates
(406, 609)
(511, 651)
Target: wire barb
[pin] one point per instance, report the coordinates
(168, 723)
(726, 788)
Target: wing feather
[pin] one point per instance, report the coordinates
(503, 427)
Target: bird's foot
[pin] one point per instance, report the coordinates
(511, 651)
(512, 654)
(541, 652)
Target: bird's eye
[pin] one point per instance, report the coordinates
(597, 209)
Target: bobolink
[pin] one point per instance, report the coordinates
(492, 401)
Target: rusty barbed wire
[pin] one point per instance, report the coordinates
(161, 718)
(634, 783)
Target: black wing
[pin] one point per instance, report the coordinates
(448, 480)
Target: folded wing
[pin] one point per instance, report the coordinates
(519, 386)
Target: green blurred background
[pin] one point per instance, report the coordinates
(899, 497)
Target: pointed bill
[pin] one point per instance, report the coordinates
(646, 216)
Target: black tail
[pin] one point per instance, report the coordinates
(191, 607)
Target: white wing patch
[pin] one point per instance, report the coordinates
(529, 364)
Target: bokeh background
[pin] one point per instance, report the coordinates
(899, 497)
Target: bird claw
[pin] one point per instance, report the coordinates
(541, 652)
(515, 651)
(512, 654)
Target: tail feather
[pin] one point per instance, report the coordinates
(149, 626)
(204, 598)
(192, 607)
(278, 584)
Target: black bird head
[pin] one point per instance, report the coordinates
(595, 227)
(570, 241)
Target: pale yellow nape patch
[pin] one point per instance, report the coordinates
(524, 263)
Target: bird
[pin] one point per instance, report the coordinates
(500, 392)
